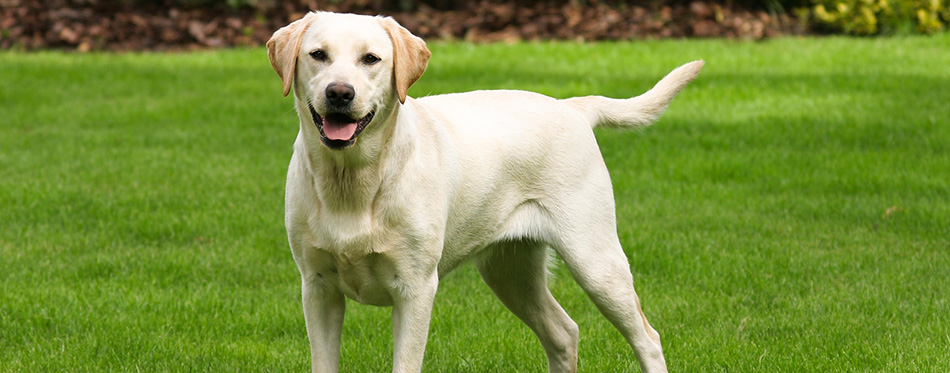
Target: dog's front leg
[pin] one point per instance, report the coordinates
(412, 309)
(323, 307)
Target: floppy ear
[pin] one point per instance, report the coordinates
(283, 46)
(410, 56)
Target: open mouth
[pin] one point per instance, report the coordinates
(338, 130)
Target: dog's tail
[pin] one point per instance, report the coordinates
(638, 111)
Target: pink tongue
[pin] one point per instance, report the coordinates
(337, 130)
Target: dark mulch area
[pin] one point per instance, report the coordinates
(129, 25)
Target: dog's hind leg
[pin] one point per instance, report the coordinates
(587, 242)
(603, 272)
(517, 274)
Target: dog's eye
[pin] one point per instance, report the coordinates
(318, 55)
(370, 59)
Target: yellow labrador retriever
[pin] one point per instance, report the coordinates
(386, 194)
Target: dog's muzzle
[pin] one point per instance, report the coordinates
(339, 130)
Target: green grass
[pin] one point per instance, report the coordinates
(141, 211)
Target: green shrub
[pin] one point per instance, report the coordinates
(872, 17)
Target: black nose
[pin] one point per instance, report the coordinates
(340, 94)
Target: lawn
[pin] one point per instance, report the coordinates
(790, 212)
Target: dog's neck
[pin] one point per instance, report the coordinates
(347, 180)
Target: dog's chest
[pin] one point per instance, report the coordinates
(354, 251)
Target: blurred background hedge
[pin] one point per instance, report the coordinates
(854, 17)
(872, 17)
(194, 24)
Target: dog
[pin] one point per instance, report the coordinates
(386, 194)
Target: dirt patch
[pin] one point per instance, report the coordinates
(126, 25)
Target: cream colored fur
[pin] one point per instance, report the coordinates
(498, 177)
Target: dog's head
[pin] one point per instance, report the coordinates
(345, 69)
